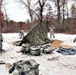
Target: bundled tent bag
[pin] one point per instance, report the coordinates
(25, 48)
(35, 51)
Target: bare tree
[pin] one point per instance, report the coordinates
(6, 17)
(59, 4)
(73, 13)
(1, 18)
(67, 10)
(63, 10)
(28, 5)
(49, 15)
(1, 5)
(1, 13)
(41, 6)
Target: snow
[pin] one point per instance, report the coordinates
(66, 38)
(65, 65)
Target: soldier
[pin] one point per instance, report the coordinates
(52, 31)
(21, 34)
(1, 39)
(74, 39)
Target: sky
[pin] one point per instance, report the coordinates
(16, 12)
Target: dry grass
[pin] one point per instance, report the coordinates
(58, 43)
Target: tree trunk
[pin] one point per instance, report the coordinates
(58, 10)
(63, 14)
(0, 38)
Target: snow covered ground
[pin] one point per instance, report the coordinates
(64, 65)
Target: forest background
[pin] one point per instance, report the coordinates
(50, 12)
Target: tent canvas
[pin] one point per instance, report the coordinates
(37, 35)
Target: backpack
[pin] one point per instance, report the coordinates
(29, 67)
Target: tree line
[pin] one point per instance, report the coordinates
(57, 13)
